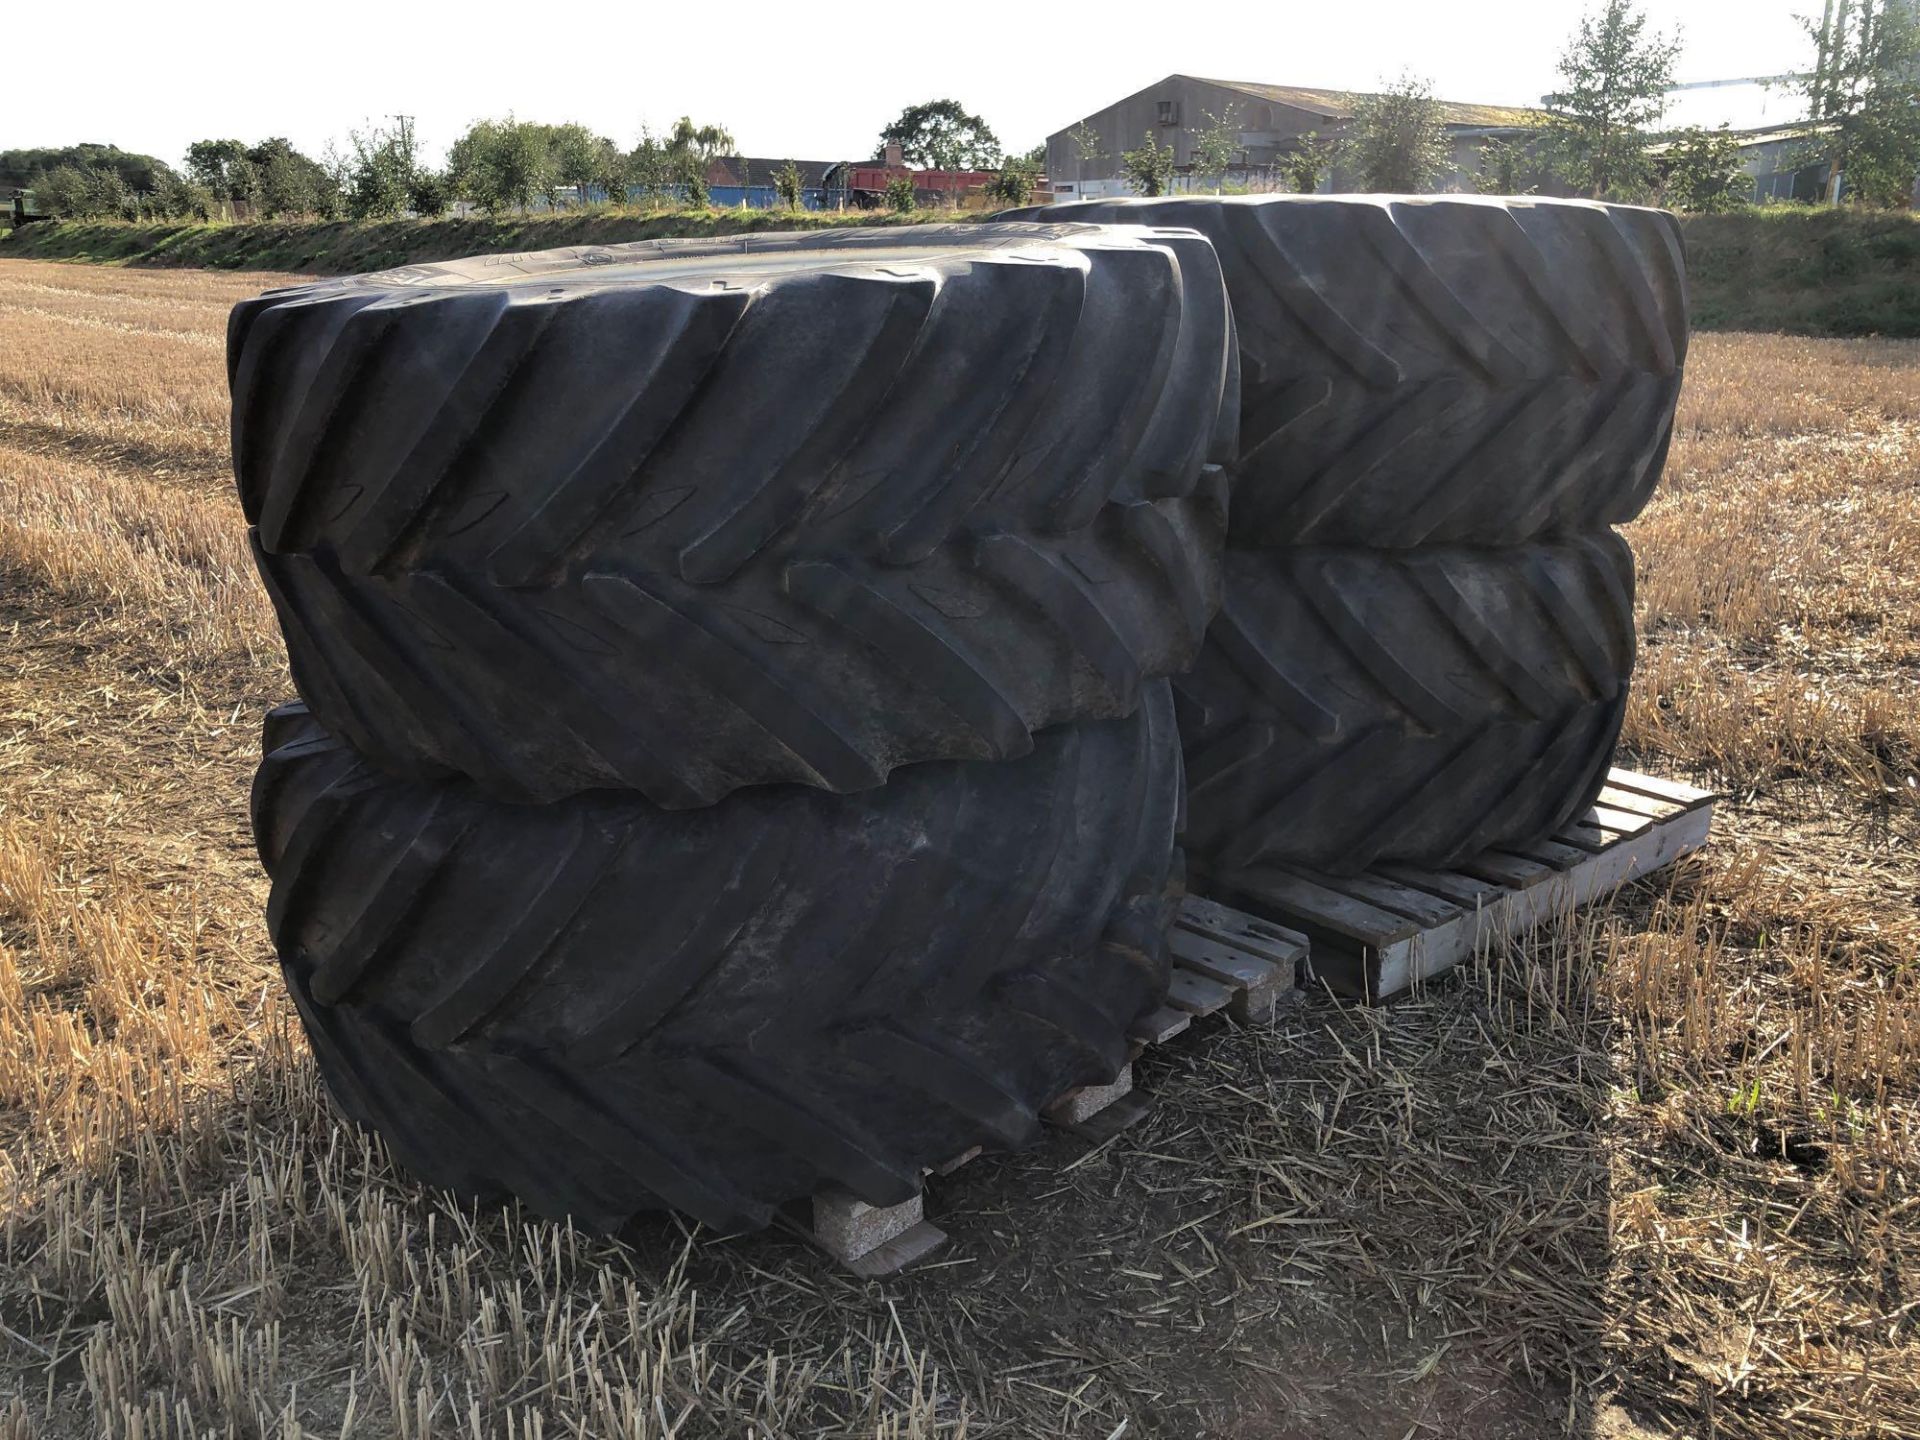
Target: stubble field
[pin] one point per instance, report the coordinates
(1658, 1173)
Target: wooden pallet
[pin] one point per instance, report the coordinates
(1222, 960)
(1375, 935)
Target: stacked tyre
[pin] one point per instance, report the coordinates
(1427, 632)
(734, 752)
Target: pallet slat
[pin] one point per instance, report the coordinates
(1583, 835)
(1240, 930)
(1218, 962)
(1614, 798)
(1454, 885)
(1550, 853)
(1314, 909)
(1686, 796)
(1510, 872)
(1365, 949)
(1197, 994)
(890, 1257)
(1388, 895)
(1626, 822)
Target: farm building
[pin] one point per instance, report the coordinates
(1784, 165)
(1270, 120)
(1780, 150)
(1787, 165)
(736, 180)
(865, 181)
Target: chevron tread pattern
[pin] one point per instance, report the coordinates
(1354, 707)
(603, 1007)
(824, 673)
(1440, 370)
(539, 520)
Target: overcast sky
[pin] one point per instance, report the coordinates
(807, 81)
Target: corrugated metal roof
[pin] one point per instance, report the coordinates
(1750, 139)
(1339, 104)
(756, 170)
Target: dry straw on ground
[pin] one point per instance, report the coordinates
(1655, 1174)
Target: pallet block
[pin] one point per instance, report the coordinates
(1375, 935)
(873, 1240)
(1221, 960)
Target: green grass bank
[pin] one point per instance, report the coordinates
(347, 247)
(1802, 272)
(1806, 272)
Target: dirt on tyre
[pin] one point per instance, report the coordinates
(603, 1007)
(1360, 707)
(1440, 369)
(683, 517)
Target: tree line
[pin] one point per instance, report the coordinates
(500, 165)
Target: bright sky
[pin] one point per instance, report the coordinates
(812, 80)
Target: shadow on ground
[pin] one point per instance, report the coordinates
(1351, 1224)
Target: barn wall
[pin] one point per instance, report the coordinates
(1262, 125)
(1266, 131)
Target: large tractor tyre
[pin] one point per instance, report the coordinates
(826, 672)
(1440, 370)
(1355, 707)
(602, 1007)
(683, 517)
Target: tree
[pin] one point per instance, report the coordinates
(647, 168)
(108, 196)
(611, 171)
(63, 191)
(1307, 164)
(1398, 144)
(178, 198)
(1214, 146)
(689, 149)
(143, 174)
(575, 152)
(501, 164)
(224, 168)
(380, 172)
(1862, 97)
(1087, 147)
(1149, 168)
(86, 192)
(97, 182)
(1014, 183)
(272, 177)
(1616, 75)
(1499, 168)
(786, 184)
(289, 183)
(1700, 171)
(941, 135)
(900, 196)
(431, 194)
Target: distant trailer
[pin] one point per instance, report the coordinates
(23, 207)
(767, 197)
